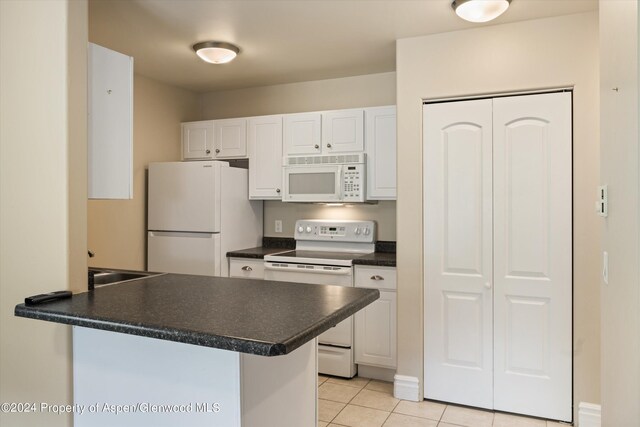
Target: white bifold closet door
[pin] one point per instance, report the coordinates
(458, 253)
(498, 253)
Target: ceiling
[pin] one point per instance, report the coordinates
(281, 41)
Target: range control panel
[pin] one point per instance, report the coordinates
(336, 230)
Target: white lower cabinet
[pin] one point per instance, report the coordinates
(375, 325)
(246, 268)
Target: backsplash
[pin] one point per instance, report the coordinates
(383, 212)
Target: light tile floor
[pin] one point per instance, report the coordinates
(360, 402)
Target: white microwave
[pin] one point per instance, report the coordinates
(330, 178)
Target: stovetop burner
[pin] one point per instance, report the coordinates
(315, 257)
(329, 242)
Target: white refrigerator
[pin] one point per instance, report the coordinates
(197, 212)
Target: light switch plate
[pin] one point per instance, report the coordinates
(278, 226)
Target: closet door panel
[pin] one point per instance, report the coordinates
(458, 257)
(533, 254)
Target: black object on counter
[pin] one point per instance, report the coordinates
(51, 296)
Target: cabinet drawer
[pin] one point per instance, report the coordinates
(375, 277)
(248, 268)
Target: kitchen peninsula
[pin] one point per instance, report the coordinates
(195, 350)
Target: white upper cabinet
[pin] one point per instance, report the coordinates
(302, 134)
(265, 157)
(214, 139)
(110, 145)
(338, 131)
(343, 131)
(197, 140)
(380, 138)
(230, 138)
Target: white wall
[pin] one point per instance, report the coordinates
(43, 193)
(620, 171)
(117, 228)
(528, 55)
(349, 92)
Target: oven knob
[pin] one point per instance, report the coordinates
(308, 229)
(357, 231)
(300, 229)
(366, 231)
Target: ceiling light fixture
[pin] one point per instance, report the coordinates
(479, 10)
(216, 52)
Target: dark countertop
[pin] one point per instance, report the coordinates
(378, 259)
(384, 256)
(256, 253)
(245, 315)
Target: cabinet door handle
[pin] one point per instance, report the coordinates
(208, 151)
(487, 285)
(246, 268)
(316, 146)
(376, 277)
(328, 145)
(217, 150)
(277, 190)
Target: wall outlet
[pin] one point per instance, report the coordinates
(278, 226)
(602, 205)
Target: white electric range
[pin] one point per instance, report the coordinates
(324, 255)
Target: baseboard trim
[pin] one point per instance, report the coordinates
(406, 388)
(376, 373)
(589, 415)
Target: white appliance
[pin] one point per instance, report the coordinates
(197, 212)
(324, 178)
(324, 255)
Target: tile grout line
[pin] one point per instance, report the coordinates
(392, 409)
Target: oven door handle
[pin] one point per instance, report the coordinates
(343, 271)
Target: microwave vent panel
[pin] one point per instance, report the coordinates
(325, 160)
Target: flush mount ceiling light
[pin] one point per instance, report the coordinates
(479, 10)
(216, 52)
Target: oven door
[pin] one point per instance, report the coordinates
(312, 183)
(340, 335)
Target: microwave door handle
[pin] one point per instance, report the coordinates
(340, 182)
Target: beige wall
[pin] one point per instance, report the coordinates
(620, 171)
(384, 213)
(529, 55)
(349, 92)
(43, 193)
(117, 228)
